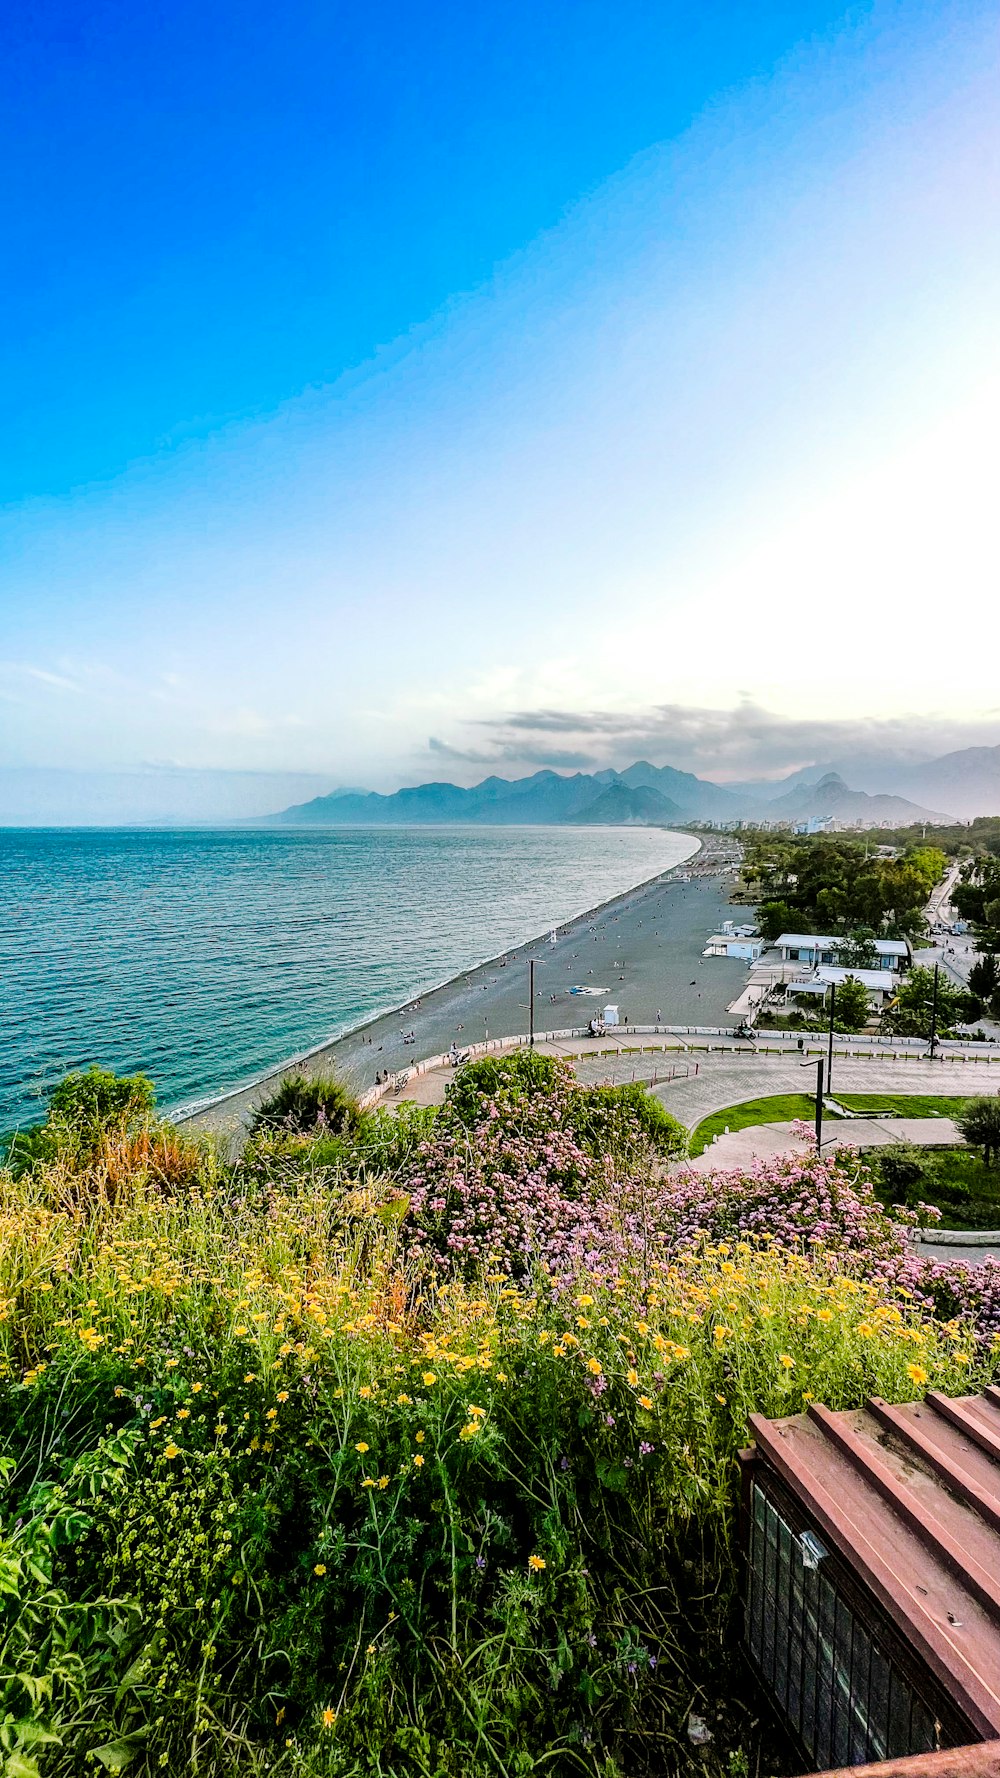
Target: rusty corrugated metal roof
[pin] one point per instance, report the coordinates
(909, 1497)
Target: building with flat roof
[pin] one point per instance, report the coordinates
(880, 984)
(814, 949)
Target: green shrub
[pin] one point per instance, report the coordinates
(307, 1105)
(508, 1079)
(980, 1125)
(617, 1120)
(96, 1100)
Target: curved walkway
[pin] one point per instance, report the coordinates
(758, 1142)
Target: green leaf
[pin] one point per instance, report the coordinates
(20, 1765)
(116, 1755)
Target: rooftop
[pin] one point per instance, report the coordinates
(909, 1498)
(884, 947)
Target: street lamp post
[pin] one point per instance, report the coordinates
(934, 1011)
(819, 1101)
(531, 1002)
(829, 1052)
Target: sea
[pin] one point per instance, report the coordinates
(204, 958)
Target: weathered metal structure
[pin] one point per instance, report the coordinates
(873, 1581)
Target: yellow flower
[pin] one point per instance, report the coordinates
(196, 1388)
(329, 1718)
(282, 1394)
(632, 1379)
(722, 1334)
(642, 1327)
(720, 1399)
(428, 1379)
(866, 1329)
(361, 1446)
(365, 1393)
(594, 1367)
(786, 1361)
(171, 1450)
(153, 1424)
(403, 1401)
(646, 1401)
(319, 1568)
(272, 1414)
(418, 1462)
(420, 1436)
(536, 1563)
(585, 1302)
(368, 1482)
(251, 1377)
(916, 1373)
(383, 1482)
(239, 1331)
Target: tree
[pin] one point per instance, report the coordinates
(851, 1011)
(857, 950)
(911, 1014)
(984, 977)
(775, 917)
(980, 1125)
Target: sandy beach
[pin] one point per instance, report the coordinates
(641, 951)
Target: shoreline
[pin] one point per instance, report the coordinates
(375, 1045)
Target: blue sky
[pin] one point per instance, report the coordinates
(393, 392)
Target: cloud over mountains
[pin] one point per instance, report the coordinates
(745, 743)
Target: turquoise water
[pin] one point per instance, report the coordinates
(205, 958)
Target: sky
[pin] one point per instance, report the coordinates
(399, 393)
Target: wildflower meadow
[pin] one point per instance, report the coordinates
(407, 1447)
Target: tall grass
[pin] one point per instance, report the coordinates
(277, 1498)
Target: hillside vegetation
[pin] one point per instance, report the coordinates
(408, 1448)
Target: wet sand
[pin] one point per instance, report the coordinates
(642, 951)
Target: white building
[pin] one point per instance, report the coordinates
(817, 951)
(748, 946)
(880, 984)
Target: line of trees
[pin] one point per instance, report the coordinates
(834, 884)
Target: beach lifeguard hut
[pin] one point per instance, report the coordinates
(611, 1017)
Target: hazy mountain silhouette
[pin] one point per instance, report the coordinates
(643, 794)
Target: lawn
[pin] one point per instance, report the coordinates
(903, 1104)
(782, 1108)
(777, 1108)
(956, 1180)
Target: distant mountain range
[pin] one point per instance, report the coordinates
(966, 783)
(643, 795)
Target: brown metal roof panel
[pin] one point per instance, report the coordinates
(976, 1417)
(939, 1615)
(980, 1760)
(952, 1532)
(957, 1462)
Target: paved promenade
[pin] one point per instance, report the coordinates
(769, 1142)
(709, 1073)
